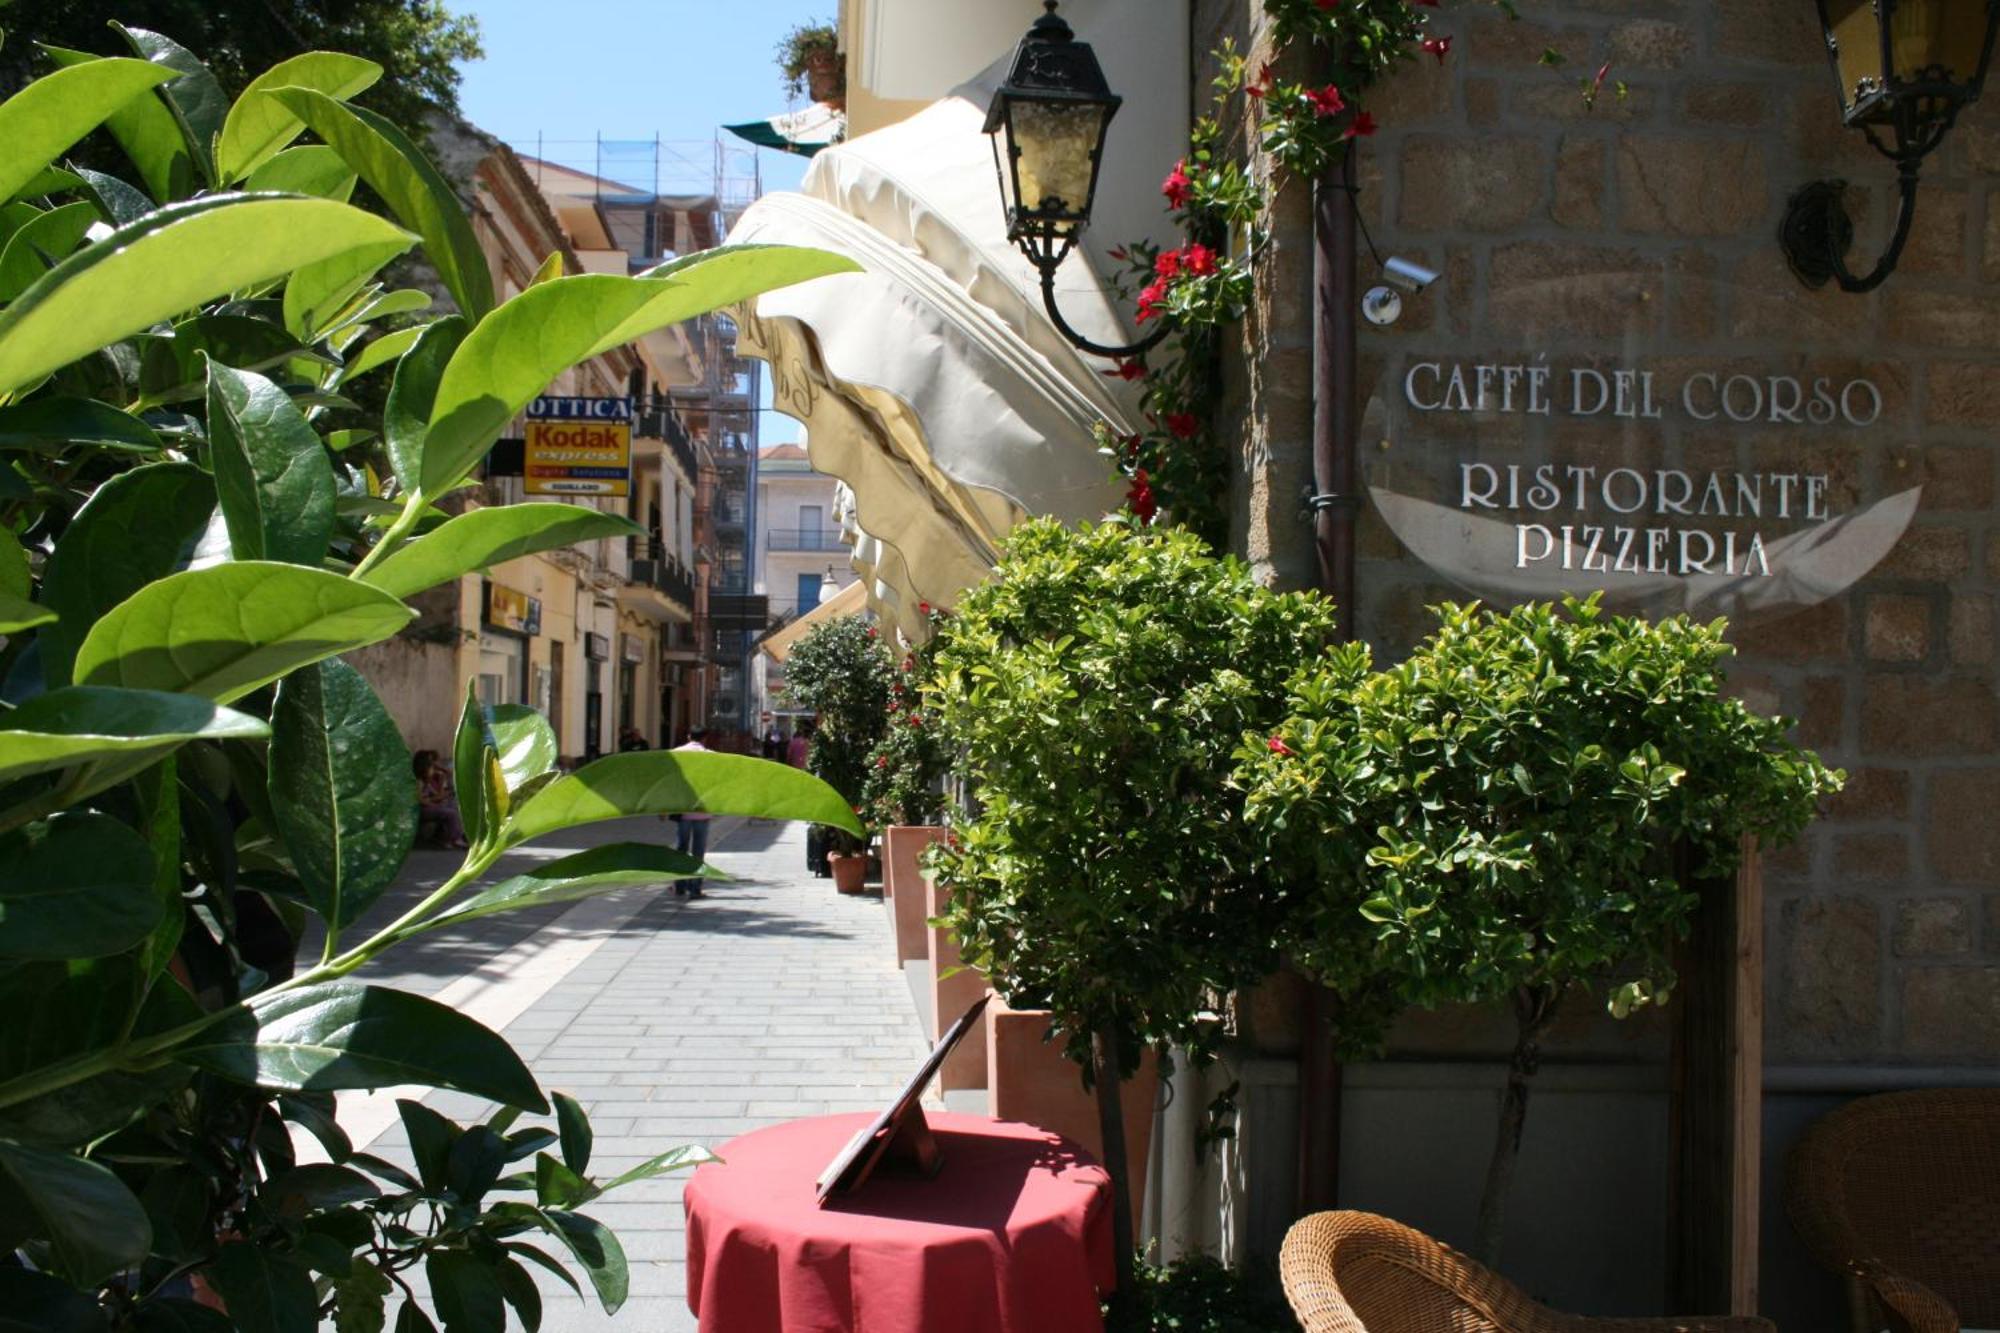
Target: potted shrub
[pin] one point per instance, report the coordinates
(809, 57)
(1504, 816)
(1096, 687)
(192, 781)
(842, 671)
(904, 796)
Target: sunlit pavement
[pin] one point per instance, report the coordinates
(671, 1021)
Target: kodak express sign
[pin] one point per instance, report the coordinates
(578, 446)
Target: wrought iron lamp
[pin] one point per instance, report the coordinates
(1905, 70)
(1048, 122)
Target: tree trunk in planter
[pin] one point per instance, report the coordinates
(1111, 1125)
(1534, 1010)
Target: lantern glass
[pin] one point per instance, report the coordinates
(1884, 51)
(1056, 146)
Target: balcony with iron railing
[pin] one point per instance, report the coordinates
(803, 539)
(658, 421)
(653, 567)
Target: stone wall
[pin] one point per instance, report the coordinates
(1642, 231)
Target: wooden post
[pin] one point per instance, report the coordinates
(1717, 1101)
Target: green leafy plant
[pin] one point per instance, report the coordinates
(842, 672)
(906, 768)
(192, 781)
(808, 47)
(1200, 1295)
(1508, 815)
(1097, 686)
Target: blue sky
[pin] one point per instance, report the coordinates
(631, 69)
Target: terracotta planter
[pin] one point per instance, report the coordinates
(952, 995)
(849, 872)
(1028, 1080)
(903, 886)
(823, 79)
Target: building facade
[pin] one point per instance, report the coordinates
(801, 555)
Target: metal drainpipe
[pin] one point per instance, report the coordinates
(1334, 509)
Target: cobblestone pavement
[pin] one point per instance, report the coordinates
(672, 1022)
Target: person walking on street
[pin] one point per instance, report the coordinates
(692, 835)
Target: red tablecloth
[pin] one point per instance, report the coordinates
(1012, 1236)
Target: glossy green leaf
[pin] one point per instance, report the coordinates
(513, 355)
(593, 1245)
(312, 169)
(558, 1186)
(526, 742)
(223, 631)
(167, 1315)
(673, 1159)
(574, 1127)
(658, 782)
(259, 125)
(121, 203)
(78, 886)
(37, 245)
(412, 1319)
(168, 262)
(15, 577)
(465, 1293)
(416, 192)
(318, 292)
(340, 1035)
(267, 1292)
(380, 351)
(18, 613)
(402, 301)
(149, 132)
(52, 425)
(406, 418)
(77, 724)
(193, 96)
(599, 870)
(341, 789)
(42, 120)
(174, 366)
(272, 474)
(475, 771)
(518, 1286)
(481, 538)
(136, 528)
(93, 1224)
(32, 1302)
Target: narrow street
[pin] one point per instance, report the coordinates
(673, 1022)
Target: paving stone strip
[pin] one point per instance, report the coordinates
(674, 1022)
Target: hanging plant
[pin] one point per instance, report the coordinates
(809, 58)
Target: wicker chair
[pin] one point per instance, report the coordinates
(1901, 1194)
(1359, 1273)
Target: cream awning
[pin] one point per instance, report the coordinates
(849, 601)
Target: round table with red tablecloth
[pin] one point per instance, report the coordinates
(1013, 1235)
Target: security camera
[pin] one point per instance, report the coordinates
(1408, 274)
(1381, 306)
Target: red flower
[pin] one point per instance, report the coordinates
(1118, 253)
(1151, 301)
(881, 761)
(1131, 443)
(1362, 125)
(1329, 4)
(1437, 46)
(916, 719)
(1326, 101)
(1183, 425)
(1140, 497)
(923, 608)
(1432, 4)
(1262, 86)
(1168, 265)
(872, 631)
(1178, 187)
(1126, 370)
(1200, 260)
(1278, 746)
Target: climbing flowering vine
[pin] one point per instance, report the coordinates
(1176, 462)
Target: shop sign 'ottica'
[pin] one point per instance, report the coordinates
(578, 446)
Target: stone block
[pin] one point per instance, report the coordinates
(1822, 720)
(1929, 553)
(1871, 794)
(1938, 236)
(1538, 290)
(1951, 1012)
(1482, 103)
(1830, 965)
(1579, 197)
(1989, 248)
(1928, 715)
(1816, 634)
(1930, 927)
(1561, 96)
(1955, 319)
(1969, 637)
(1455, 183)
(1736, 104)
(1820, 144)
(1693, 311)
(1770, 32)
(1418, 93)
(1961, 393)
(1874, 857)
(1513, 45)
(1964, 833)
(1898, 628)
(1690, 186)
(1650, 44)
(1768, 302)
